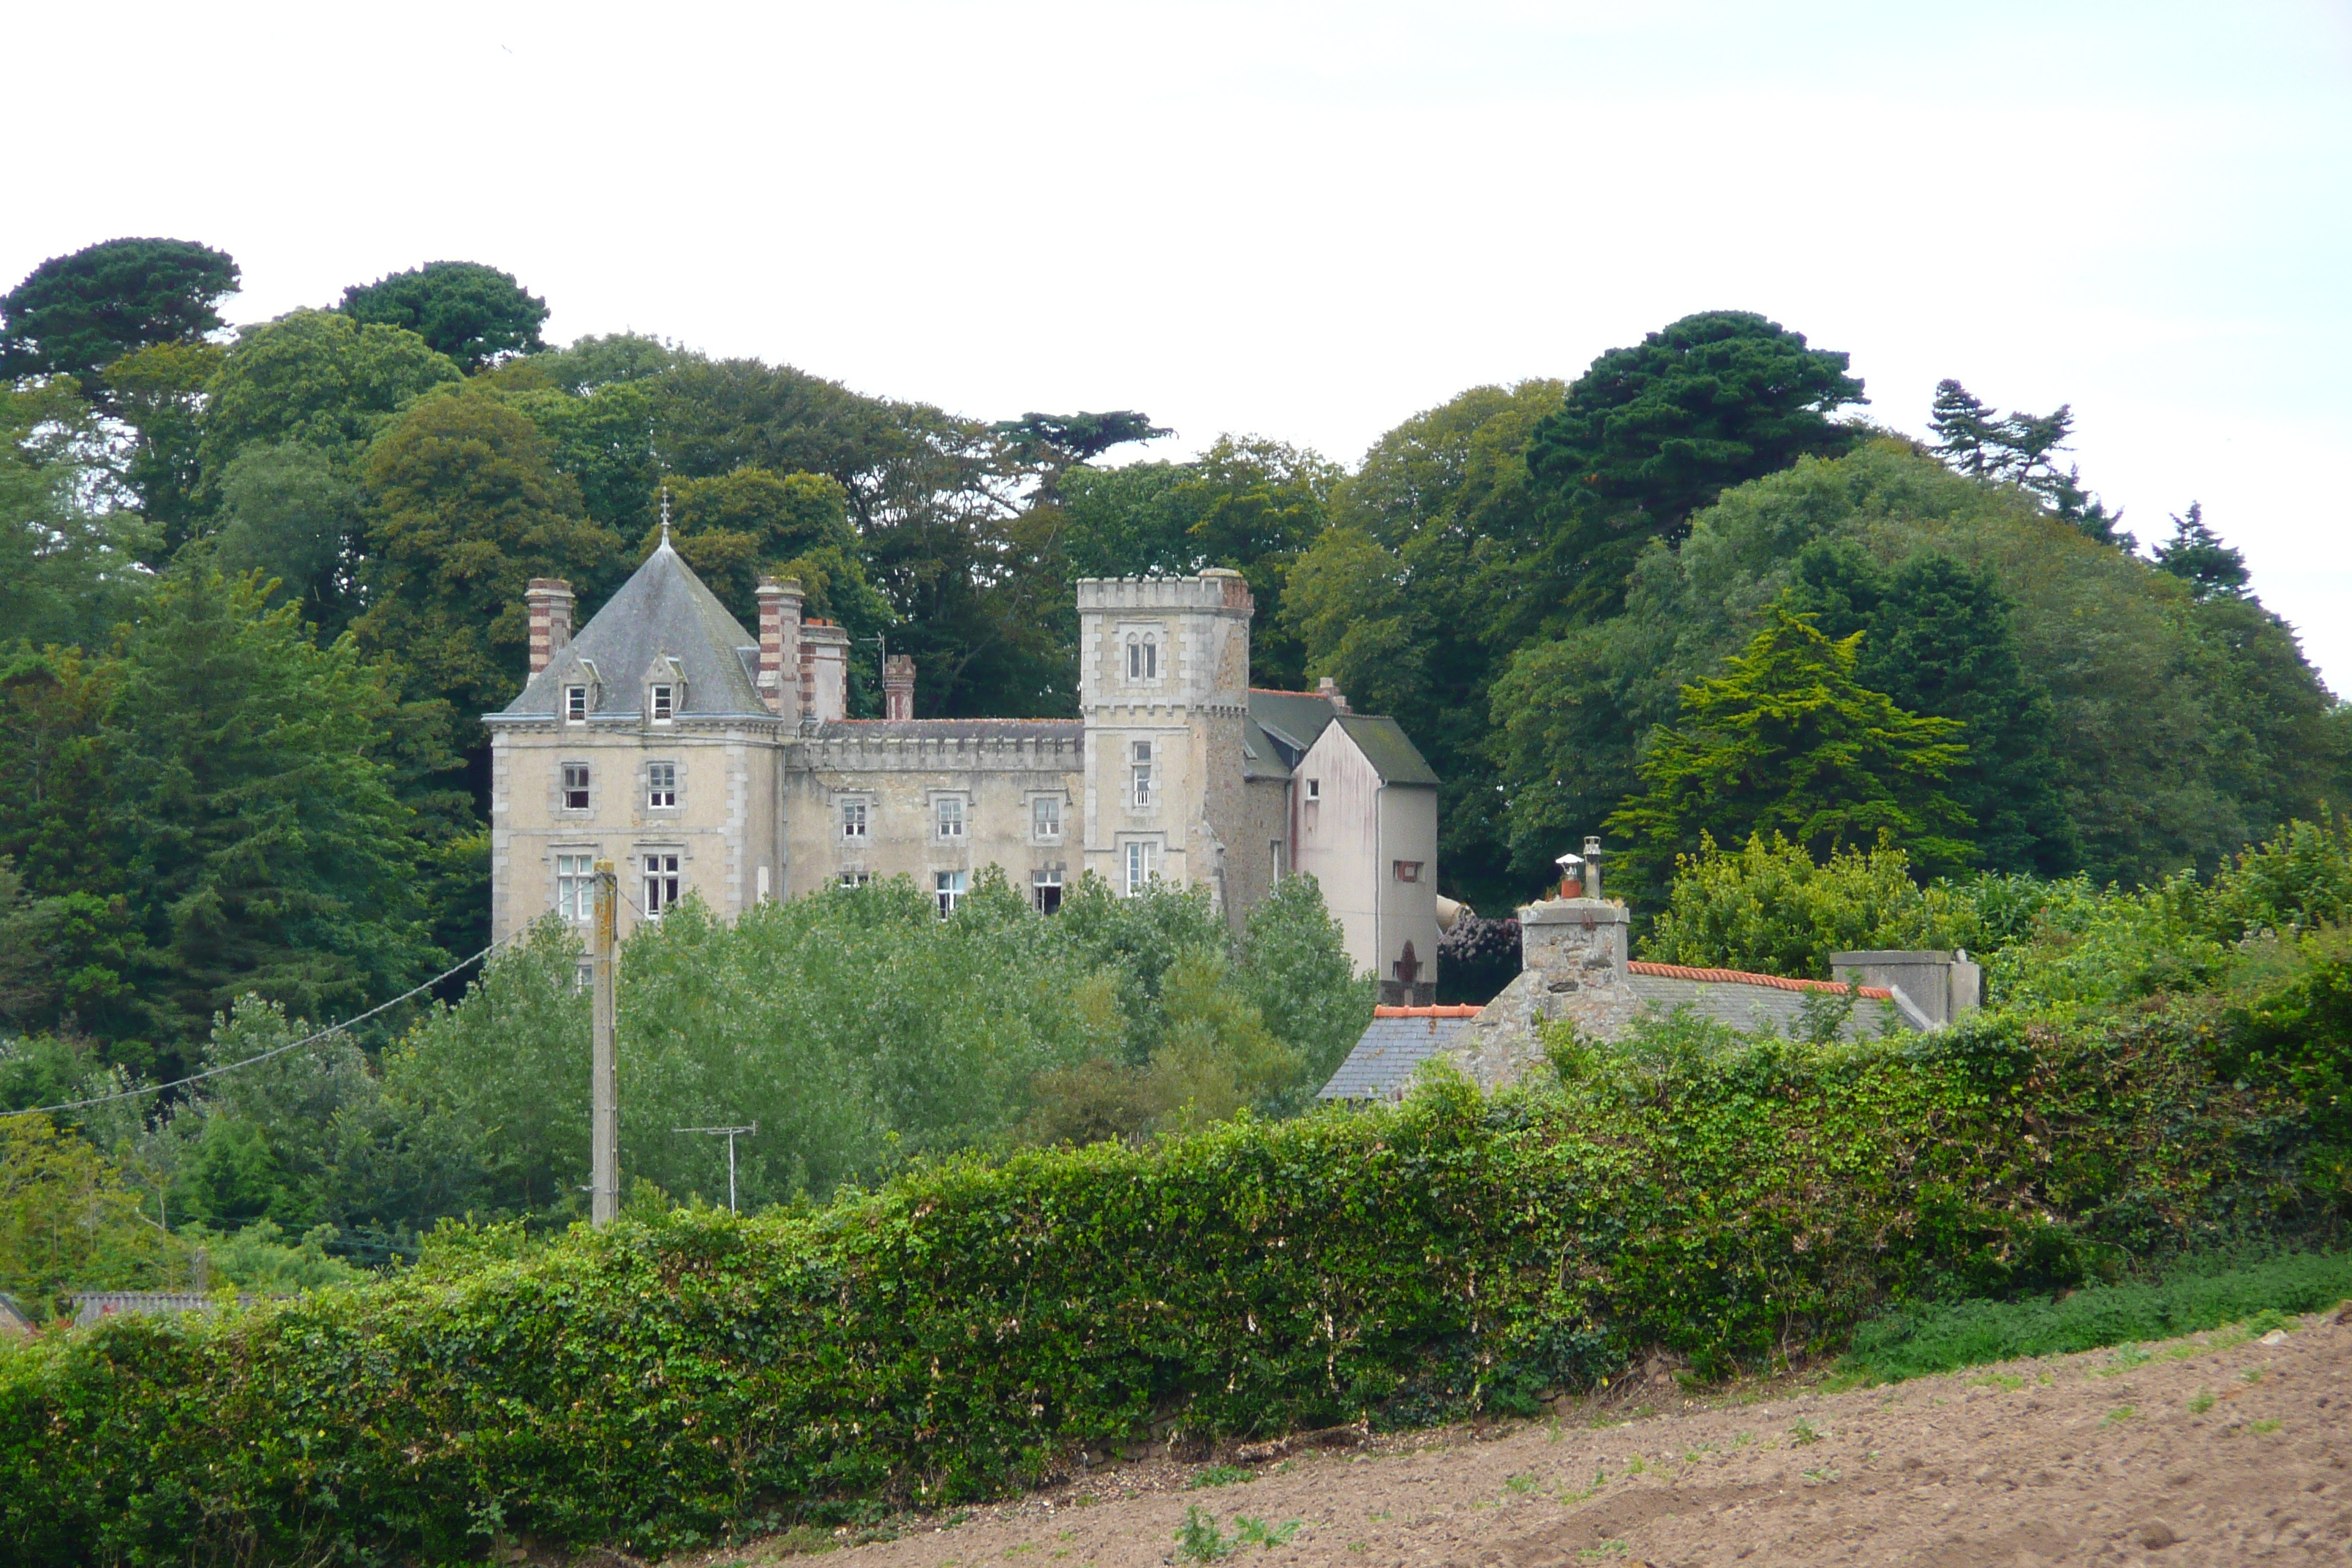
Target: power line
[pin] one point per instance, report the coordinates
(274, 1051)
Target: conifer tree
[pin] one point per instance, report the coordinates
(1787, 740)
(265, 849)
(2198, 557)
(1939, 643)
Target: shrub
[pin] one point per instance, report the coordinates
(1768, 907)
(2205, 1295)
(656, 1384)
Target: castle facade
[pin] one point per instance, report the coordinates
(696, 756)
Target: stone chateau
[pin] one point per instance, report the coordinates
(696, 756)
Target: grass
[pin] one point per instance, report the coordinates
(1220, 1475)
(1916, 1342)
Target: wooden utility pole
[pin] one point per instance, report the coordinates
(605, 1127)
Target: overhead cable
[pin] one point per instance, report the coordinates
(275, 1051)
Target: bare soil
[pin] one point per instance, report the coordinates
(2212, 1449)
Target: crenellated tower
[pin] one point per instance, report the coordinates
(1163, 688)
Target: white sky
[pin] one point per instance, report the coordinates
(1306, 221)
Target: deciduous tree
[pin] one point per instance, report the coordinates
(463, 509)
(317, 377)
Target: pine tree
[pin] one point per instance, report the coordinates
(1787, 741)
(2198, 557)
(1964, 428)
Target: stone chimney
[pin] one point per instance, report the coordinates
(1328, 689)
(780, 645)
(824, 673)
(899, 686)
(549, 599)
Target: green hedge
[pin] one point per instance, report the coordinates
(967, 1328)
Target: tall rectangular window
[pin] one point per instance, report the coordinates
(661, 704)
(575, 703)
(1045, 888)
(575, 787)
(1140, 756)
(661, 883)
(1142, 658)
(950, 810)
(575, 887)
(661, 785)
(949, 885)
(1141, 866)
(1045, 818)
(853, 819)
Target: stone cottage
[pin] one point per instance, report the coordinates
(699, 756)
(1577, 966)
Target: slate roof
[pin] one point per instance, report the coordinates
(1262, 757)
(1388, 748)
(663, 611)
(1393, 1045)
(1292, 719)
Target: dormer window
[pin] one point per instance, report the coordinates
(575, 704)
(662, 708)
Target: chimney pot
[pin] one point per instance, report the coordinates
(1328, 689)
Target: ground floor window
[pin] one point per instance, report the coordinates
(661, 882)
(575, 888)
(950, 891)
(1045, 889)
(855, 879)
(1142, 865)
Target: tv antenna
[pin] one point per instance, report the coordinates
(730, 1134)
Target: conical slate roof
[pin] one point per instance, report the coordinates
(662, 613)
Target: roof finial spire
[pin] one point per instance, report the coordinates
(665, 516)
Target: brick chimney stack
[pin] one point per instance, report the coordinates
(780, 645)
(1328, 689)
(549, 599)
(899, 686)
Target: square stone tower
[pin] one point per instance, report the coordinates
(1163, 688)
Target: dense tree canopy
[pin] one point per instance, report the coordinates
(464, 507)
(319, 378)
(476, 315)
(1938, 641)
(1651, 433)
(76, 313)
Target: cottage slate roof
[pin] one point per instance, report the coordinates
(1391, 1048)
(1388, 748)
(663, 611)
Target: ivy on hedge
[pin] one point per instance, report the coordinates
(970, 1327)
